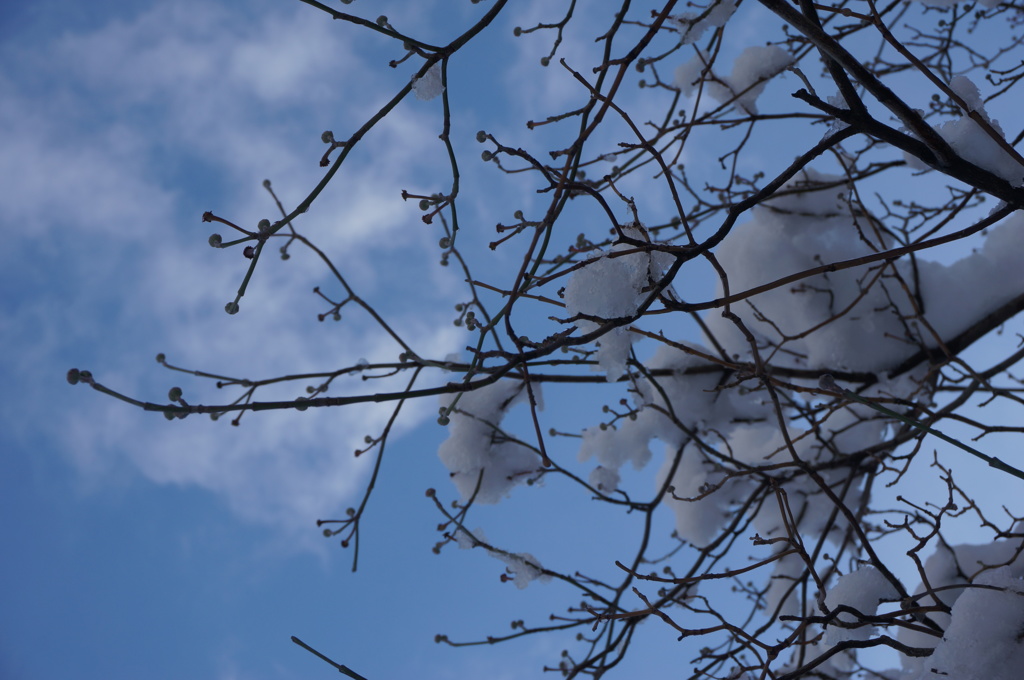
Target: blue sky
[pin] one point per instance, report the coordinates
(137, 547)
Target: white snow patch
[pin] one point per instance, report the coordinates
(750, 73)
(972, 142)
(475, 452)
(692, 25)
(984, 638)
(611, 286)
(429, 85)
(862, 590)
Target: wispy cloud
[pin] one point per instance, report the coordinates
(144, 124)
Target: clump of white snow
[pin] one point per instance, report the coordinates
(429, 85)
(476, 453)
(686, 404)
(689, 74)
(798, 232)
(862, 590)
(692, 25)
(957, 566)
(466, 539)
(699, 514)
(682, 398)
(787, 571)
(611, 286)
(972, 142)
(959, 294)
(522, 568)
(839, 101)
(985, 637)
(612, 447)
(856, 319)
(761, 444)
(750, 73)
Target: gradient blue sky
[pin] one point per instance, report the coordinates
(135, 547)
(140, 548)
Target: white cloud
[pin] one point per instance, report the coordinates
(54, 178)
(181, 105)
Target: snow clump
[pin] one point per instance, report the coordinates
(522, 568)
(852, 319)
(983, 584)
(983, 639)
(611, 286)
(799, 230)
(862, 590)
(429, 85)
(475, 452)
(970, 141)
(750, 73)
(691, 25)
